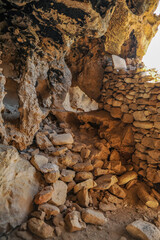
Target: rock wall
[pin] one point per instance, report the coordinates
(133, 96)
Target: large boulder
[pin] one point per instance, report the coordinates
(18, 185)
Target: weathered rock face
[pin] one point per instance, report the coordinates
(18, 185)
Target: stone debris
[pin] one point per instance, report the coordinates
(49, 210)
(93, 217)
(40, 228)
(59, 194)
(74, 221)
(44, 195)
(62, 139)
(143, 230)
(38, 161)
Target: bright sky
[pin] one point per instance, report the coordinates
(152, 57)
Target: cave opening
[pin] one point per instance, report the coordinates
(152, 57)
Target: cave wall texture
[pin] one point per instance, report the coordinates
(47, 46)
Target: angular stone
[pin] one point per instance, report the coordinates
(83, 197)
(93, 217)
(80, 176)
(49, 167)
(71, 185)
(100, 171)
(49, 209)
(38, 161)
(74, 222)
(38, 214)
(68, 160)
(117, 191)
(60, 193)
(139, 116)
(19, 183)
(105, 182)
(62, 139)
(157, 125)
(126, 177)
(67, 175)
(44, 195)
(52, 177)
(59, 151)
(119, 63)
(143, 230)
(42, 141)
(40, 228)
(86, 184)
(80, 167)
(85, 152)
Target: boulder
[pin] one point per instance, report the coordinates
(18, 185)
(143, 230)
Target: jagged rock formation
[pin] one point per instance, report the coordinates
(36, 36)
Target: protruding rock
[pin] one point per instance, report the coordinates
(143, 230)
(40, 228)
(44, 195)
(74, 222)
(60, 193)
(93, 217)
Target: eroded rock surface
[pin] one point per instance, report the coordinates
(18, 185)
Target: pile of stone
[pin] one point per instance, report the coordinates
(81, 183)
(133, 97)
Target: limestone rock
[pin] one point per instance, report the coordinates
(86, 184)
(44, 195)
(62, 139)
(80, 176)
(105, 182)
(42, 141)
(83, 197)
(93, 217)
(18, 185)
(74, 221)
(67, 175)
(38, 161)
(60, 193)
(117, 191)
(80, 167)
(119, 63)
(143, 230)
(40, 228)
(49, 167)
(49, 209)
(139, 116)
(126, 177)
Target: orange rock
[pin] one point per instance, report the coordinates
(44, 195)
